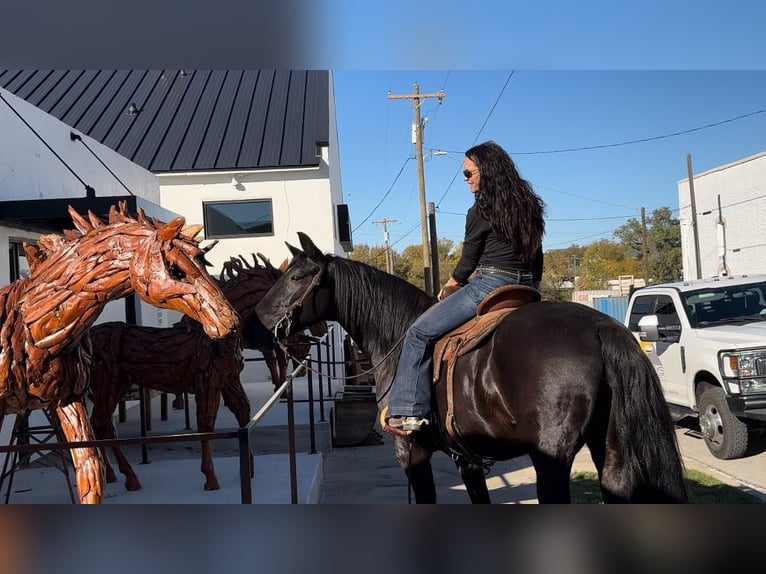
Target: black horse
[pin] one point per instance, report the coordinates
(553, 376)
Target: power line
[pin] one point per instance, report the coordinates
(489, 115)
(385, 195)
(580, 239)
(481, 129)
(641, 140)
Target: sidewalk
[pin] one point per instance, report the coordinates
(172, 475)
(371, 474)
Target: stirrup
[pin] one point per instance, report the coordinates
(408, 424)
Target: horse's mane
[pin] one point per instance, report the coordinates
(238, 269)
(52, 243)
(397, 302)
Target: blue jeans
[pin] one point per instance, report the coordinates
(411, 388)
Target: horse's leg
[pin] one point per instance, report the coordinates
(614, 489)
(475, 482)
(208, 397)
(235, 399)
(103, 428)
(271, 365)
(89, 469)
(178, 401)
(552, 478)
(416, 462)
(281, 359)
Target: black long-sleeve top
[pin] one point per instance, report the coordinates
(482, 246)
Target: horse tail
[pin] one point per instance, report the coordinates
(640, 427)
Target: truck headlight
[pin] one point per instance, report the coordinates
(736, 366)
(749, 367)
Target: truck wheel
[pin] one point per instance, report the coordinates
(725, 435)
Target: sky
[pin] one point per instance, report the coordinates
(715, 116)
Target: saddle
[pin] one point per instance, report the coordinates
(493, 309)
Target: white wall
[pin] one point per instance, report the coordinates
(301, 201)
(30, 170)
(742, 189)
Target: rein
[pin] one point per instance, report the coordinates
(367, 372)
(287, 322)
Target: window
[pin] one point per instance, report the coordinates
(19, 267)
(641, 306)
(238, 218)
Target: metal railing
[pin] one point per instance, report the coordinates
(242, 434)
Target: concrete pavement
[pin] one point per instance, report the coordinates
(366, 474)
(371, 475)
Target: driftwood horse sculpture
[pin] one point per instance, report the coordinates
(44, 344)
(183, 359)
(552, 377)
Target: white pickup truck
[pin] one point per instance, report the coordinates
(707, 340)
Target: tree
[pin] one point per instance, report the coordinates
(602, 261)
(663, 242)
(560, 267)
(374, 256)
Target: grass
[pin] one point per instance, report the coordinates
(702, 489)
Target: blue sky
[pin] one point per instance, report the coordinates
(589, 192)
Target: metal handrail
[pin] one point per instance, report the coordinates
(242, 434)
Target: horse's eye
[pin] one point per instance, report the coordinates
(176, 272)
(296, 277)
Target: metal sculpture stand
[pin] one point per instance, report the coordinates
(22, 433)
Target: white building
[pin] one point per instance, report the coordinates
(252, 155)
(730, 211)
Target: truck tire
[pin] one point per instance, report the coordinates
(725, 435)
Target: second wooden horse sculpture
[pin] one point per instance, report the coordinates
(183, 359)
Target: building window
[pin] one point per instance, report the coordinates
(238, 218)
(19, 268)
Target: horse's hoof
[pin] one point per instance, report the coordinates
(132, 486)
(212, 486)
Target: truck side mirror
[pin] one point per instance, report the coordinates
(648, 328)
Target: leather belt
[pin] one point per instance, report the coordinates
(519, 275)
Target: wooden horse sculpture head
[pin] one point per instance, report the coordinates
(44, 348)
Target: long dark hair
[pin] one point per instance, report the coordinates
(507, 200)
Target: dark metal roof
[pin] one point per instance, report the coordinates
(187, 120)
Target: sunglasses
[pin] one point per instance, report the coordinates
(467, 173)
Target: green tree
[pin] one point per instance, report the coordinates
(374, 256)
(663, 242)
(560, 267)
(602, 261)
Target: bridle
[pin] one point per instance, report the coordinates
(286, 320)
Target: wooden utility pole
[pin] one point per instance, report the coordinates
(697, 263)
(434, 248)
(389, 257)
(644, 248)
(416, 97)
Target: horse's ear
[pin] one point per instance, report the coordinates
(284, 265)
(191, 231)
(311, 250)
(171, 229)
(294, 250)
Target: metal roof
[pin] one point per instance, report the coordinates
(189, 120)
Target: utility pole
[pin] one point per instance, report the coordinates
(644, 249)
(434, 247)
(416, 97)
(389, 257)
(694, 216)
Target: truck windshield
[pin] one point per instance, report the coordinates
(726, 304)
